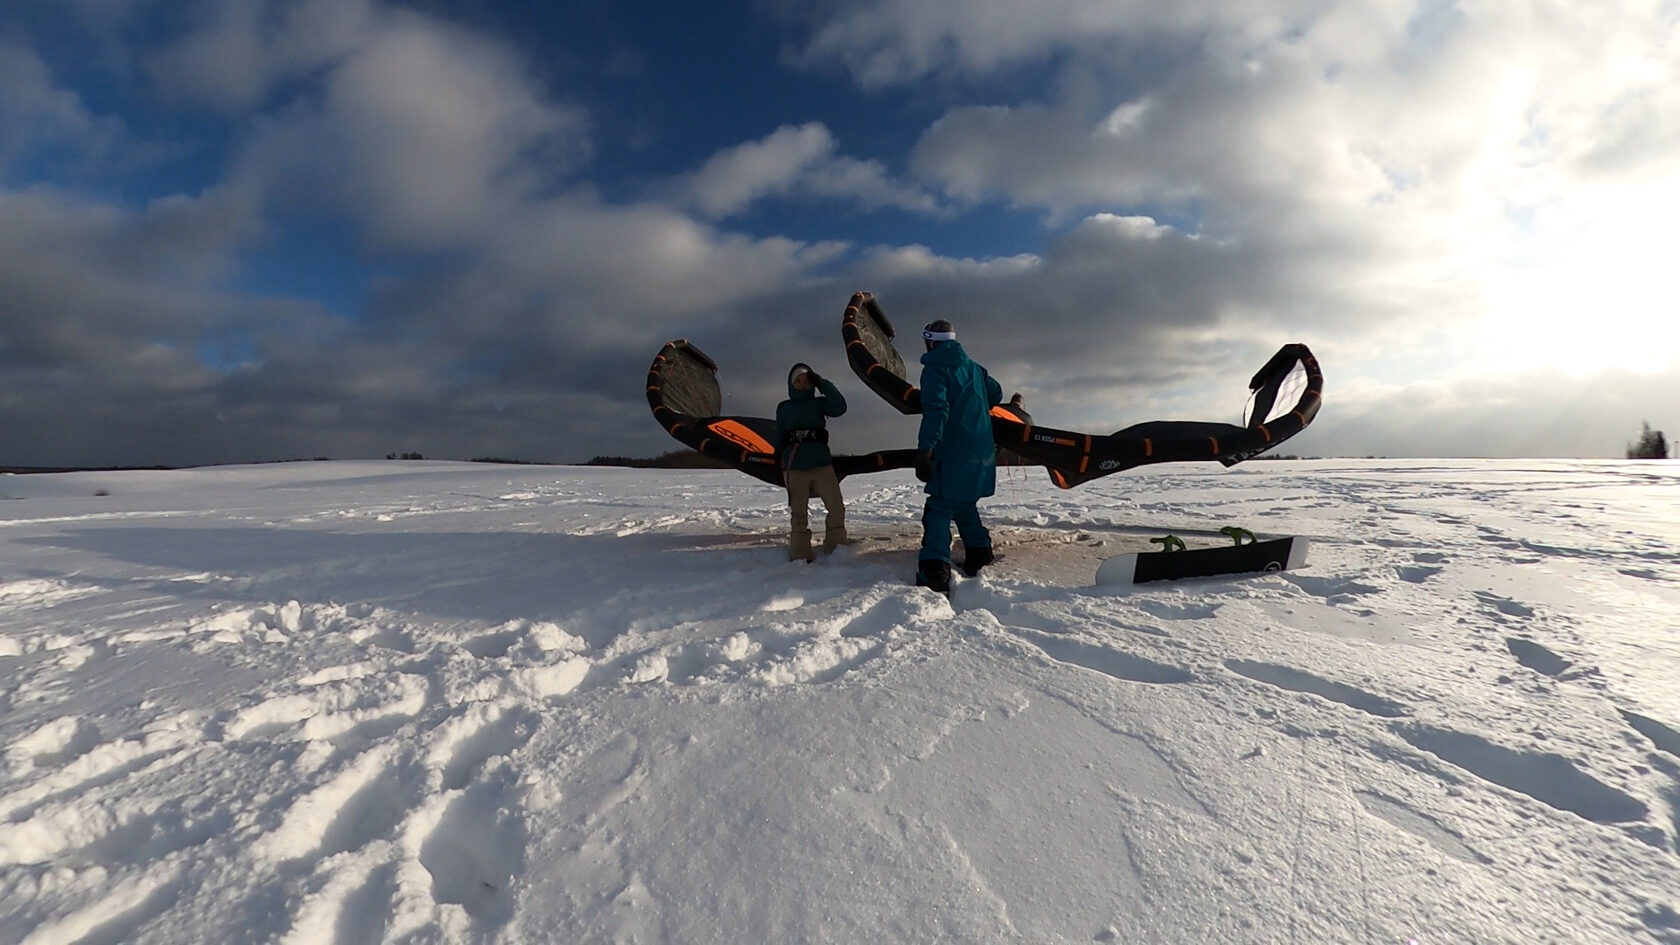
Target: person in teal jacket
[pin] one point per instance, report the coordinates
(955, 456)
(807, 465)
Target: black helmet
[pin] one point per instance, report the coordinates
(937, 331)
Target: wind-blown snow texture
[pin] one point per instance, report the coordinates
(430, 702)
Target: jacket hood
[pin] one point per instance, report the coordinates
(946, 353)
(799, 394)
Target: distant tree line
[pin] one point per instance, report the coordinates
(31, 470)
(1651, 445)
(676, 459)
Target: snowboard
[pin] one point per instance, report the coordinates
(1258, 557)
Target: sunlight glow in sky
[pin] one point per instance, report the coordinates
(1593, 290)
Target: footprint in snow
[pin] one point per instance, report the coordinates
(351, 708)
(363, 801)
(493, 645)
(386, 637)
(1295, 680)
(1536, 657)
(1110, 662)
(1172, 610)
(351, 906)
(55, 743)
(1547, 777)
(1505, 605)
(473, 845)
(1644, 574)
(813, 660)
(1420, 825)
(1334, 590)
(119, 912)
(465, 744)
(1665, 738)
(64, 811)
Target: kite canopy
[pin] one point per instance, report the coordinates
(1285, 396)
(682, 391)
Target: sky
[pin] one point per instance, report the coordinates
(271, 229)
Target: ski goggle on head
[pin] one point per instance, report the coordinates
(928, 335)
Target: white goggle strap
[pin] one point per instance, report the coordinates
(938, 335)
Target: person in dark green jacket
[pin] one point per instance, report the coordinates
(807, 465)
(955, 455)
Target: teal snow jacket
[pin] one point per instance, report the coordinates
(801, 424)
(957, 400)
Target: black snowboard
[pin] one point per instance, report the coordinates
(1278, 554)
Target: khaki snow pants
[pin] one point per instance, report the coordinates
(825, 485)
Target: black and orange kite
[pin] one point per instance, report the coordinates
(683, 392)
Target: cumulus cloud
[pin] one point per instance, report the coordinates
(79, 276)
(424, 134)
(1438, 198)
(1386, 165)
(441, 134)
(886, 42)
(424, 141)
(39, 119)
(238, 51)
(801, 161)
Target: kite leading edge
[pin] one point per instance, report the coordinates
(683, 393)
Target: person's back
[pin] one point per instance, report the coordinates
(957, 398)
(955, 455)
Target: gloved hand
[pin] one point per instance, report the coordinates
(816, 379)
(924, 465)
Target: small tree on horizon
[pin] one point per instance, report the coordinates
(1651, 444)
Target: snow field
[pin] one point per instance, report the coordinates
(418, 702)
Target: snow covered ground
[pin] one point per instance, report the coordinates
(432, 702)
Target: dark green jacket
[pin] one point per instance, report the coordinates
(807, 410)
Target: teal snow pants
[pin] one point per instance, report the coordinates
(937, 516)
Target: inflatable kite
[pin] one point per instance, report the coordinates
(1284, 398)
(682, 390)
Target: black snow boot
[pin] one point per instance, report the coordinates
(935, 574)
(975, 559)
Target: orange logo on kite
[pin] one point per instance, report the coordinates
(738, 433)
